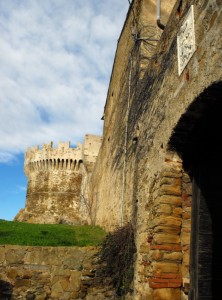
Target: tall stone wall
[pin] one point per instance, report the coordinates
(58, 182)
(116, 163)
(161, 124)
(152, 128)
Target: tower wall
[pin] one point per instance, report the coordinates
(53, 197)
(58, 182)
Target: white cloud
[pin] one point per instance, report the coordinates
(6, 157)
(21, 188)
(56, 59)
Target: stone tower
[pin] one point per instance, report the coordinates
(58, 182)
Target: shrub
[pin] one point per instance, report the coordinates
(117, 258)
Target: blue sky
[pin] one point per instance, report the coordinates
(56, 59)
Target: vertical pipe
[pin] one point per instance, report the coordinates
(160, 25)
(158, 9)
(125, 146)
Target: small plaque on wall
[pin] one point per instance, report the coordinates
(186, 41)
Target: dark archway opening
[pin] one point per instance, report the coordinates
(198, 139)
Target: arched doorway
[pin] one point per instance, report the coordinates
(197, 138)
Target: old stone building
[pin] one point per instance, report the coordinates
(57, 182)
(159, 162)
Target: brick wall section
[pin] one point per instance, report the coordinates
(165, 254)
(162, 253)
(186, 229)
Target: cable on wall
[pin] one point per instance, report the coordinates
(125, 141)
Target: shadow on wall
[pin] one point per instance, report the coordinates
(5, 290)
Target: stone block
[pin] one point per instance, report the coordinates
(174, 256)
(165, 267)
(167, 229)
(75, 281)
(2, 254)
(174, 190)
(172, 172)
(177, 211)
(166, 294)
(166, 220)
(64, 282)
(186, 259)
(164, 209)
(156, 255)
(144, 248)
(24, 283)
(15, 256)
(185, 238)
(56, 290)
(169, 199)
(171, 181)
(186, 215)
(166, 238)
(74, 295)
(13, 272)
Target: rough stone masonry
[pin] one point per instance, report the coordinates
(160, 158)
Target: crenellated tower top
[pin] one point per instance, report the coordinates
(63, 157)
(63, 151)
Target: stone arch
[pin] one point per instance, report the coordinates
(47, 164)
(197, 139)
(71, 164)
(75, 164)
(80, 162)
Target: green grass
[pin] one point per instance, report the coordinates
(18, 233)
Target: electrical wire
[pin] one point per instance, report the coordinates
(125, 141)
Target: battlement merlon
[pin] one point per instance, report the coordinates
(63, 151)
(63, 146)
(91, 147)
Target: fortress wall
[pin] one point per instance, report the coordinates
(54, 184)
(139, 120)
(53, 164)
(58, 179)
(91, 148)
(63, 151)
(53, 197)
(51, 273)
(117, 163)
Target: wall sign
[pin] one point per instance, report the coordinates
(186, 41)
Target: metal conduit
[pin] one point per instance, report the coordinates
(160, 25)
(125, 144)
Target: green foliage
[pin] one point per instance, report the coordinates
(117, 258)
(19, 233)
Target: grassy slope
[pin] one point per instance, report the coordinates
(17, 233)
